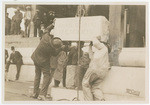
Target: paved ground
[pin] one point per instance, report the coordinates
(19, 91)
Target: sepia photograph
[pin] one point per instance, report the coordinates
(78, 52)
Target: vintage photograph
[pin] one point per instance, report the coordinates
(75, 52)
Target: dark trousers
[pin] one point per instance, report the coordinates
(17, 28)
(36, 30)
(13, 28)
(18, 65)
(27, 27)
(80, 72)
(64, 77)
(56, 82)
(46, 79)
(7, 29)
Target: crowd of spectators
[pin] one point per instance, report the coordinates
(39, 21)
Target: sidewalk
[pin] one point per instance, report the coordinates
(19, 91)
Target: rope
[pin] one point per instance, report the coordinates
(80, 10)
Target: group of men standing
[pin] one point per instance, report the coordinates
(12, 26)
(42, 21)
(38, 21)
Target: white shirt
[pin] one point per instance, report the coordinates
(27, 15)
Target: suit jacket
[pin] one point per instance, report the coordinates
(27, 15)
(16, 57)
(7, 22)
(37, 20)
(41, 55)
(73, 55)
(19, 16)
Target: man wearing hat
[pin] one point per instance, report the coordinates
(13, 24)
(45, 20)
(48, 47)
(37, 23)
(15, 58)
(19, 18)
(51, 17)
(27, 19)
(7, 24)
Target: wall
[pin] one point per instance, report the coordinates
(136, 26)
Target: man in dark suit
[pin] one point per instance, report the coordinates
(18, 21)
(51, 17)
(37, 22)
(15, 58)
(13, 24)
(47, 47)
(7, 24)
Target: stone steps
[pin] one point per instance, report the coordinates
(132, 57)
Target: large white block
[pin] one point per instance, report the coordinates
(132, 57)
(68, 28)
(122, 80)
(70, 76)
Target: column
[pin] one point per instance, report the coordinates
(33, 10)
(115, 39)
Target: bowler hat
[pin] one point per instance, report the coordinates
(57, 43)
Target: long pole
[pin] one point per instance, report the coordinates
(80, 10)
(125, 28)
